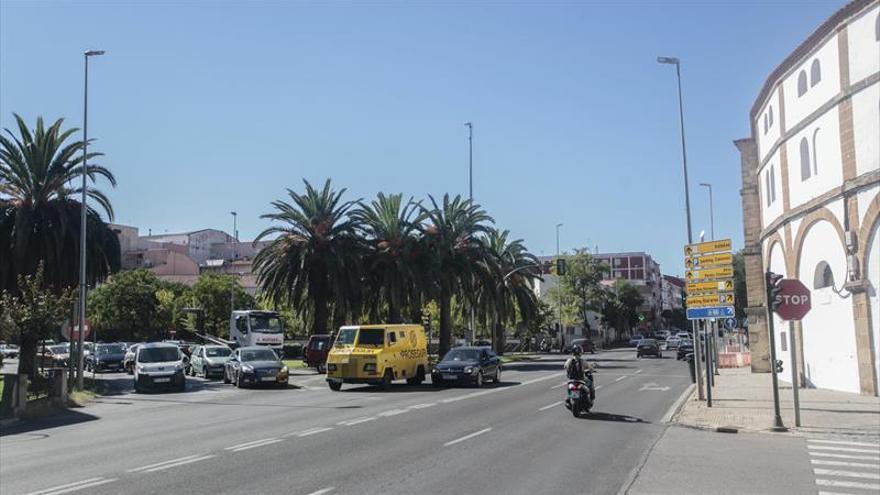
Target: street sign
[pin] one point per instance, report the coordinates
(707, 247)
(717, 299)
(713, 286)
(720, 272)
(71, 333)
(793, 299)
(709, 260)
(711, 312)
(730, 323)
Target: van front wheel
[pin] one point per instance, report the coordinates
(386, 380)
(335, 386)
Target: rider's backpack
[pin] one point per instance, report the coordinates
(576, 370)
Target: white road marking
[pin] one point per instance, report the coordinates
(72, 487)
(846, 456)
(620, 378)
(848, 484)
(637, 371)
(597, 387)
(144, 468)
(843, 449)
(356, 421)
(249, 443)
(261, 444)
(536, 380)
(313, 431)
(820, 462)
(551, 405)
(846, 474)
(839, 442)
(181, 463)
(322, 491)
(392, 412)
(467, 437)
(835, 493)
(423, 406)
(560, 385)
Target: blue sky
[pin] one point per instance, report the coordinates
(206, 107)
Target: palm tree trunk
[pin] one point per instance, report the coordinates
(322, 309)
(445, 320)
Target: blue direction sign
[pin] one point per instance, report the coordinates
(711, 312)
(730, 323)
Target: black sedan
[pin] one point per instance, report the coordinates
(467, 365)
(648, 347)
(106, 357)
(253, 366)
(685, 347)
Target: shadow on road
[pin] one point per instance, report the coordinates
(618, 418)
(425, 387)
(69, 417)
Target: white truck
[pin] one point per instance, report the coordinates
(255, 327)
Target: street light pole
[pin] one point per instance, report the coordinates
(82, 221)
(559, 294)
(687, 204)
(470, 127)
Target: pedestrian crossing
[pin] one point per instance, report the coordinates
(843, 467)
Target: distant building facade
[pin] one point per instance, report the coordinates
(639, 269)
(811, 200)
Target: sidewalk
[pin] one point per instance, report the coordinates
(744, 400)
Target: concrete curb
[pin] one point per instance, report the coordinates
(678, 404)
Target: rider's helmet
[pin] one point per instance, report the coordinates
(576, 350)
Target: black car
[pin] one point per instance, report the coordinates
(586, 345)
(648, 347)
(685, 347)
(106, 357)
(467, 365)
(255, 365)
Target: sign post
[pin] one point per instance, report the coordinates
(793, 302)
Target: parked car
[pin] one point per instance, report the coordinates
(586, 345)
(53, 356)
(158, 365)
(683, 335)
(634, 341)
(106, 357)
(649, 347)
(209, 360)
(483, 343)
(315, 352)
(9, 351)
(467, 365)
(255, 365)
(672, 343)
(662, 335)
(684, 348)
(128, 359)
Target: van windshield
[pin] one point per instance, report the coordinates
(371, 336)
(158, 354)
(218, 351)
(346, 336)
(265, 324)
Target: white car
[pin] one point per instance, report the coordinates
(159, 365)
(683, 336)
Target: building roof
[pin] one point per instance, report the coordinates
(672, 279)
(173, 234)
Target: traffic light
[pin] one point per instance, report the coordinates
(560, 267)
(773, 289)
(779, 366)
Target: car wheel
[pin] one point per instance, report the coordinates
(478, 382)
(335, 386)
(497, 378)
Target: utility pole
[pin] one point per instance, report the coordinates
(559, 293)
(687, 205)
(470, 127)
(770, 280)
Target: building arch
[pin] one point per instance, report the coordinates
(872, 216)
(811, 219)
(772, 241)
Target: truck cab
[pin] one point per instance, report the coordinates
(254, 327)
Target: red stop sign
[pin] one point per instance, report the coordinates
(793, 299)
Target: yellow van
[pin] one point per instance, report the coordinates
(378, 355)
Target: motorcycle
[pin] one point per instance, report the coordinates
(578, 396)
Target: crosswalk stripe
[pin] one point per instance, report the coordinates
(821, 462)
(846, 474)
(840, 442)
(843, 449)
(848, 484)
(846, 456)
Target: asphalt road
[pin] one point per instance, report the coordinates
(515, 437)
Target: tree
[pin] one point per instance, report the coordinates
(582, 281)
(171, 299)
(456, 254)
(33, 312)
(213, 293)
(389, 230)
(620, 307)
(126, 308)
(315, 258)
(39, 213)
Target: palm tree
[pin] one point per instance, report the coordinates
(315, 258)
(389, 229)
(510, 290)
(40, 215)
(456, 255)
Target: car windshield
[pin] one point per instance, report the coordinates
(371, 336)
(217, 351)
(346, 336)
(58, 349)
(258, 355)
(265, 324)
(649, 341)
(111, 349)
(318, 344)
(462, 355)
(158, 354)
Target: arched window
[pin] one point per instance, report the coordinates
(765, 123)
(772, 183)
(802, 83)
(805, 159)
(771, 115)
(877, 28)
(823, 277)
(815, 153)
(815, 73)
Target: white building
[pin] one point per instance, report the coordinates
(811, 200)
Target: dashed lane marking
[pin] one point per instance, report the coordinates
(467, 437)
(620, 378)
(181, 463)
(256, 445)
(313, 431)
(322, 491)
(72, 487)
(233, 447)
(356, 421)
(549, 406)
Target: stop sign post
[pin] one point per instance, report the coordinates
(792, 299)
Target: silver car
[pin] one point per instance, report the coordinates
(208, 360)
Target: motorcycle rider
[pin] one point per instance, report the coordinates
(576, 368)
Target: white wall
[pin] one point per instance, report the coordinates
(830, 359)
(772, 212)
(827, 155)
(797, 108)
(864, 50)
(866, 127)
(872, 270)
(766, 141)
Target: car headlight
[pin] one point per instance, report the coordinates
(469, 371)
(140, 369)
(283, 370)
(247, 368)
